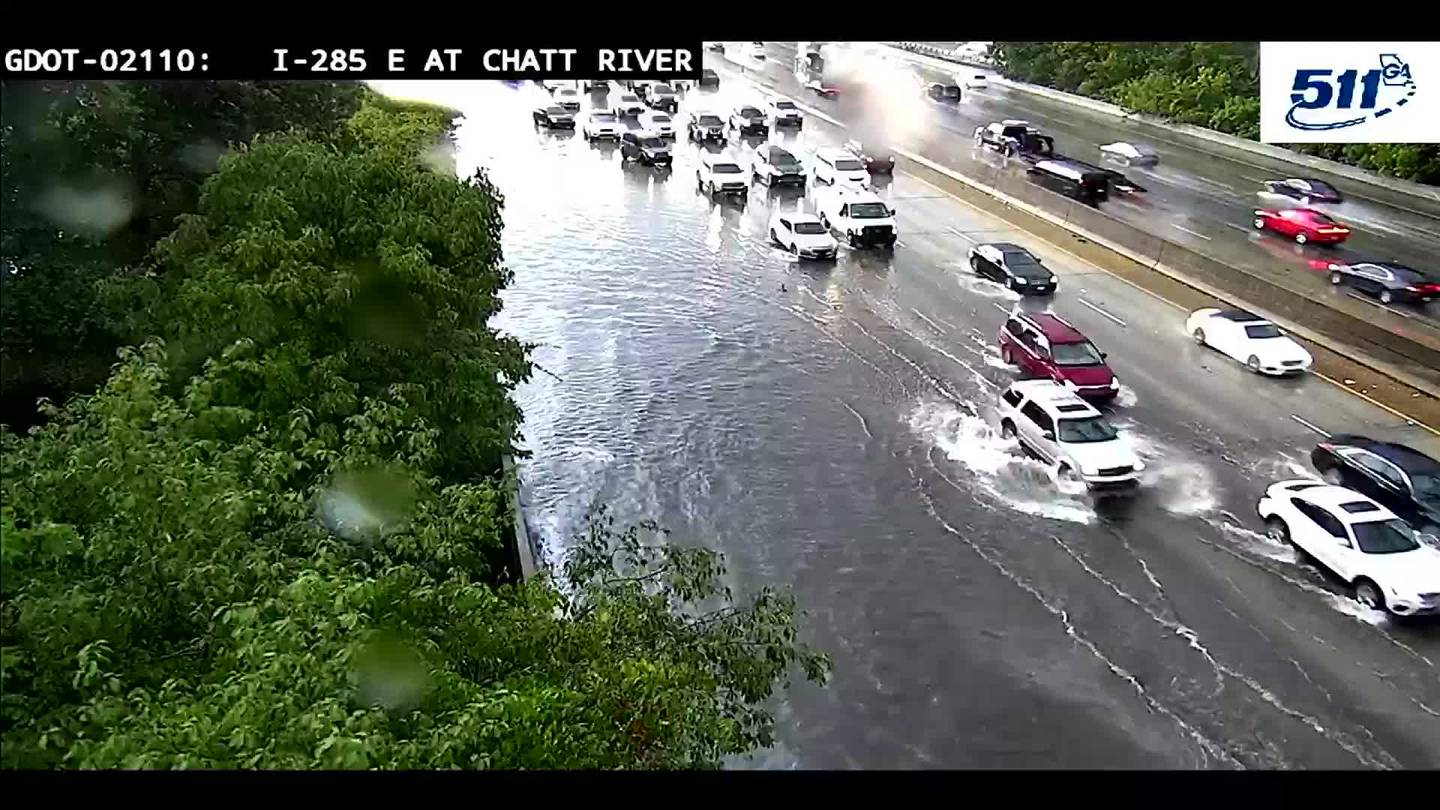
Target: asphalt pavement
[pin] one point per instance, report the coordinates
(830, 427)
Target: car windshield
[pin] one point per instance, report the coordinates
(809, 227)
(1076, 354)
(1317, 218)
(1427, 487)
(660, 118)
(651, 143)
(709, 120)
(565, 91)
(1321, 186)
(784, 160)
(604, 118)
(749, 112)
(869, 210)
(1261, 331)
(952, 91)
(555, 110)
(784, 105)
(1080, 431)
(663, 90)
(1025, 267)
(725, 168)
(849, 165)
(1384, 537)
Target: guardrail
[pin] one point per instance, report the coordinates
(1399, 190)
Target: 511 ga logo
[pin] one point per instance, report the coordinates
(1322, 100)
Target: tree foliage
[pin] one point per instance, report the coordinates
(1215, 85)
(94, 174)
(276, 536)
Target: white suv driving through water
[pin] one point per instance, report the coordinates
(861, 215)
(721, 174)
(802, 234)
(1055, 424)
(838, 166)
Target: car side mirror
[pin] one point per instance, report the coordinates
(892, 210)
(1104, 355)
(1049, 435)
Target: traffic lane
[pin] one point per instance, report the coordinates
(1222, 240)
(1076, 569)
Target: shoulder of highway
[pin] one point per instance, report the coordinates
(1394, 369)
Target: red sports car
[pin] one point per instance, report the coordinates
(1302, 225)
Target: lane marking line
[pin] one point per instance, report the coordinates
(1254, 180)
(1362, 298)
(1187, 230)
(1101, 311)
(1322, 432)
(899, 243)
(1000, 307)
(966, 237)
(1236, 227)
(1409, 420)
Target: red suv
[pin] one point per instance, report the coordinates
(1047, 346)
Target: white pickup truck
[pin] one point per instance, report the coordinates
(860, 215)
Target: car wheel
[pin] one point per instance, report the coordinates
(975, 264)
(979, 141)
(1199, 336)
(1336, 278)
(1276, 530)
(1386, 296)
(1259, 224)
(1368, 594)
(1253, 364)
(1066, 474)
(712, 188)
(1334, 477)
(1301, 238)
(1007, 429)
(775, 237)
(850, 238)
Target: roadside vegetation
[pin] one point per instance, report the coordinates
(262, 521)
(1208, 84)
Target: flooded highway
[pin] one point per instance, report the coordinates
(830, 427)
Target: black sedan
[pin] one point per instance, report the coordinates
(553, 116)
(943, 92)
(877, 160)
(1305, 189)
(1405, 480)
(1387, 281)
(1013, 266)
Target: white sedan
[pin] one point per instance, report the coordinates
(1250, 339)
(803, 235)
(973, 81)
(1131, 154)
(601, 125)
(658, 122)
(1364, 543)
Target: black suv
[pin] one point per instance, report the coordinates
(748, 120)
(775, 166)
(646, 147)
(553, 116)
(943, 92)
(706, 127)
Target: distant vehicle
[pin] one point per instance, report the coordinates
(775, 166)
(658, 122)
(551, 85)
(803, 235)
(1250, 339)
(1013, 137)
(1045, 345)
(747, 119)
(1302, 225)
(755, 51)
(1388, 281)
(553, 116)
(1403, 479)
(646, 147)
(715, 47)
(943, 92)
(1086, 183)
(859, 214)
(821, 89)
(973, 81)
(1013, 266)
(706, 127)
(838, 165)
(709, 78)
(1360, 541)
(782, 112)
(626, 103)
(601, 125)
(1305, 189)
(661, 96)
(567, 97)
(720, 174)
(877, 160)
(1050, 421)
(595, 85)
(1130, 154)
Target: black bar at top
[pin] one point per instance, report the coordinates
(57, 60)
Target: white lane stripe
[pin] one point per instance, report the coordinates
(1187, 230)
(966, 237)
(1297, 418)
(898, 243)
(999, 307)
(1101, 311)
(1255, 180)
(1359, 297)
(1237, 227)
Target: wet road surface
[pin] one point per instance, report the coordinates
(1199, 201)
(836, 436)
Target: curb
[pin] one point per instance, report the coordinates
(1206, 136)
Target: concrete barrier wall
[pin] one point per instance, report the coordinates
(1396, 191)
(523, 552)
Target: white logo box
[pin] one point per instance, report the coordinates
(1375, 92)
